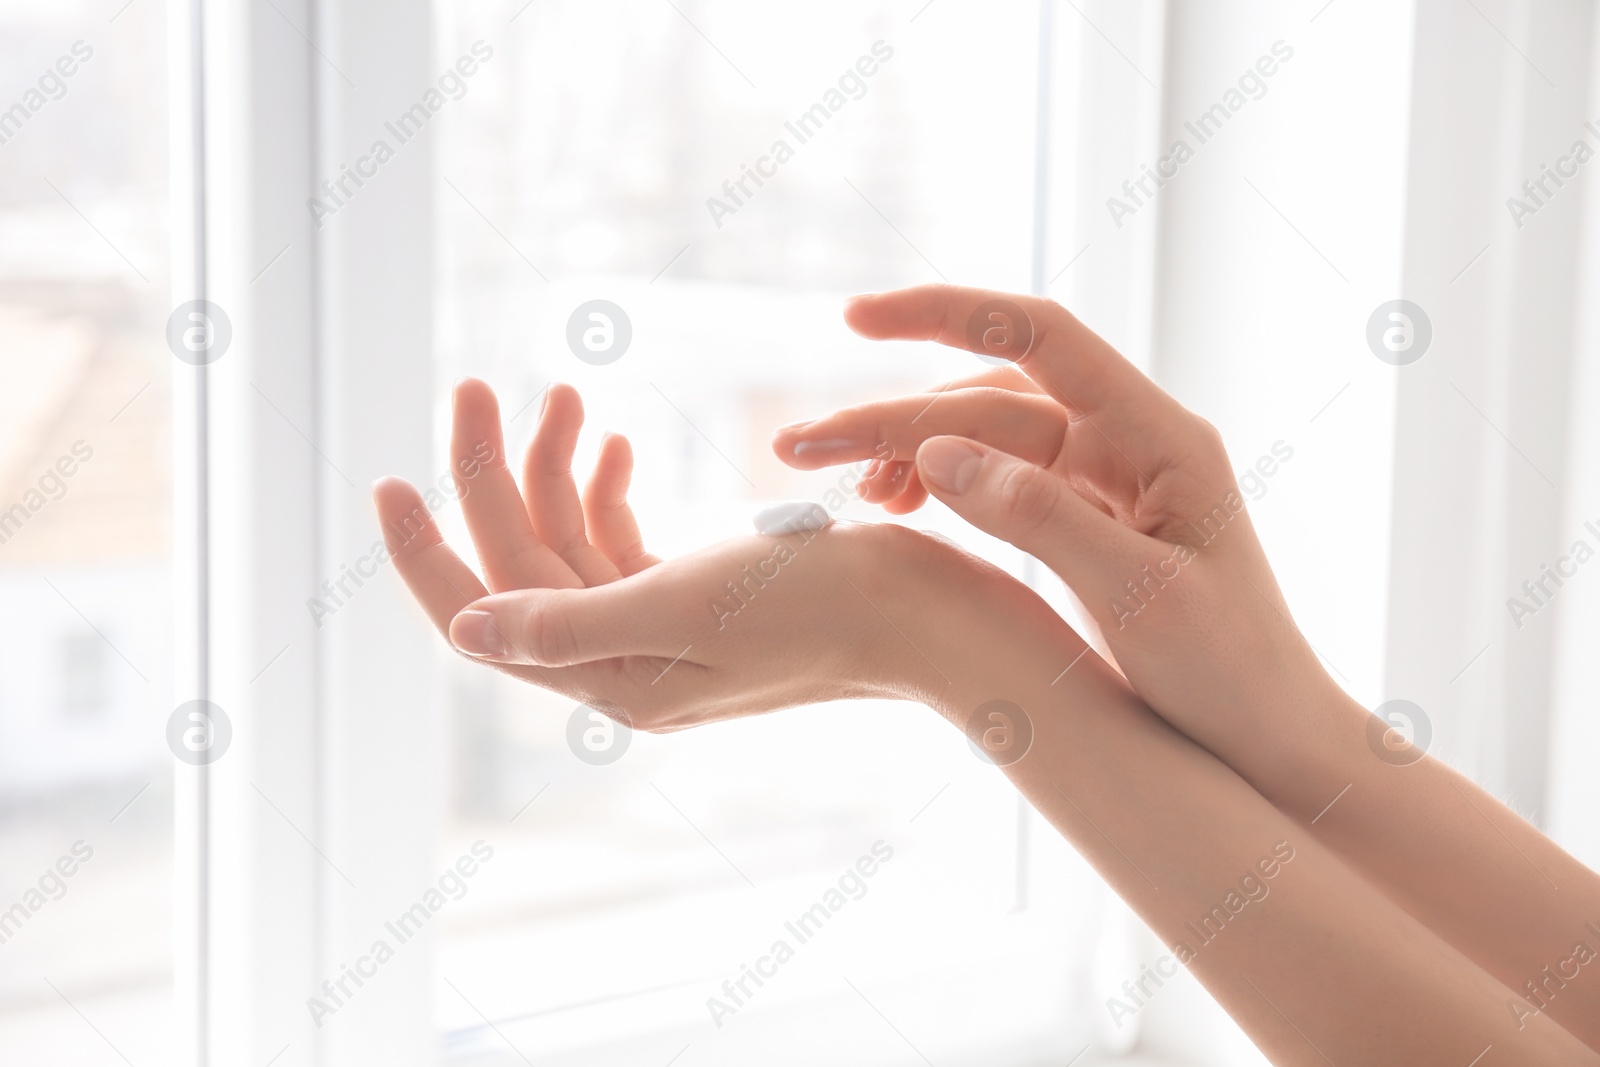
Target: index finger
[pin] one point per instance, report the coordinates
(1041, 337)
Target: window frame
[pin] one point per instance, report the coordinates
(321, 815)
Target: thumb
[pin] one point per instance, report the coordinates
(1032, 508)
(563, 627)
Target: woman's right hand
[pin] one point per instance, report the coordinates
(1112, 483)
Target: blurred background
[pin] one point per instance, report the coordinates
(187, 520)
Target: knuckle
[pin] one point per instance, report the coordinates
(572, 544)
(882, 438)
(1048, 316)
(1211, 453)
(548, 636)
(1209, 436)
(636, 556)
(549, 463)
(526, 558)
(1028, 498)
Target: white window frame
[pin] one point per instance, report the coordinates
(321, 818)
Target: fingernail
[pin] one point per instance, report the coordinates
(793, 427)
(864, 484)
(950, 464)
(474, 633)
(828, 446)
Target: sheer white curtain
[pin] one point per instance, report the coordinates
(1573, 790)
(1242, 282)
(1483, 475)
(1370, 158)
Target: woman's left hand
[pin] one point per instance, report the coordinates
(570, 601)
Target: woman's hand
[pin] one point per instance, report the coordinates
(570, 600)
(1128, 496)
(894, 484)
(761, 623)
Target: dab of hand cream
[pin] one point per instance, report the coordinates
(791, 517)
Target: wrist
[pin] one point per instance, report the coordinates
(1309, 743)
(928, 613)
(966, 632)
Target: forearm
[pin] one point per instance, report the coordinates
(1320, 967)
(1448, 852)
(1133, 502)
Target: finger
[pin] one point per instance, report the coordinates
(552, 495)
(444, 585)
(884, 482)
(911, 498)
(611, 524)
(894, 486)
(436, 576)
(1028, 425)
(1035, 510)
(1006, 376)
(513, 557)
(630, 617)
(1056, 350)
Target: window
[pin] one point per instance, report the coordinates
(664, 204)
(725, 179)
(84, 665)
(86, 800)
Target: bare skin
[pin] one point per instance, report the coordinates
(1085, 463)
(1324, 966)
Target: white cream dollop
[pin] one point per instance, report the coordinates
(791, 517)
